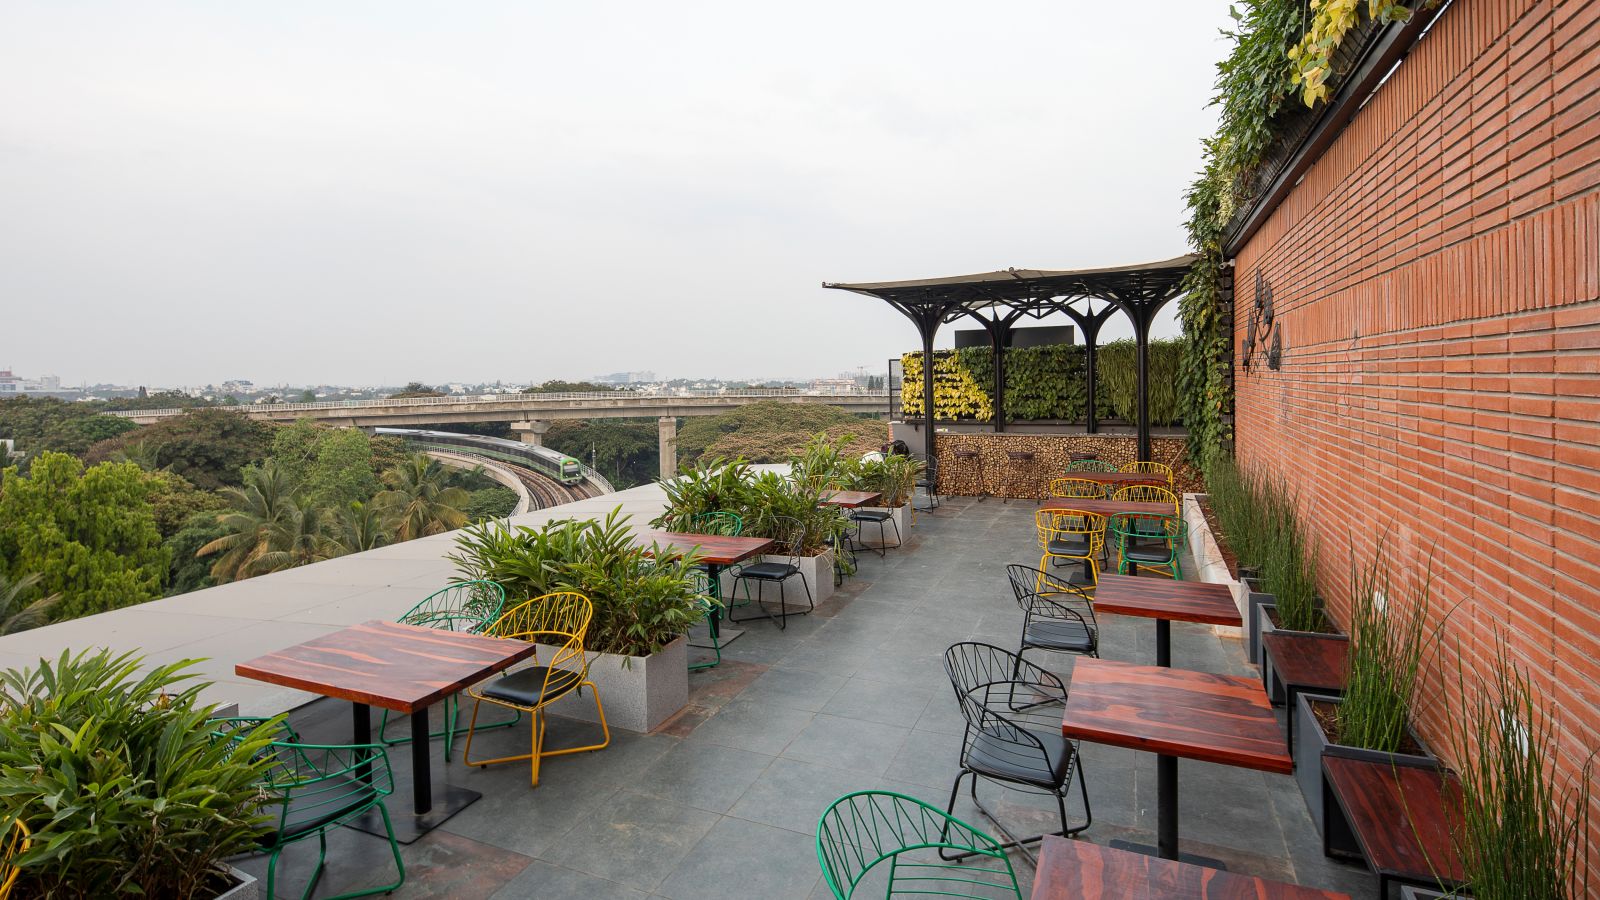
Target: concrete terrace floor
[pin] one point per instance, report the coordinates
(722, 801)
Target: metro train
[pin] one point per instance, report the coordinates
(543, 460)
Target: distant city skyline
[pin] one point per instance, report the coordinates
(316, 192)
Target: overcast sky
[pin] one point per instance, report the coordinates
(377, 192)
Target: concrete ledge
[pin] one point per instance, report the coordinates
(1208, 559)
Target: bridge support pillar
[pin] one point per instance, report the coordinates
(667, 432)
(531, 432)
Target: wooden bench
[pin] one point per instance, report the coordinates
(1399, 815)
(1298, 663)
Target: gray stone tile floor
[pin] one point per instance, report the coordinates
(723, 800)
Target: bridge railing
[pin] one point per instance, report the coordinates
(457, 399)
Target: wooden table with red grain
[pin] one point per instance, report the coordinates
(851, 499)
(1079, 870)
(1107, 507)
(1174, 712)
(401, 668)
(1166, 601)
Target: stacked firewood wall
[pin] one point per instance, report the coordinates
(1051, 452)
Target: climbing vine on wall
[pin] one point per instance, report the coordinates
(1280, 48)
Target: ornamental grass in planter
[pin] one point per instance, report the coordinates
(114, 769)
(1389, 639)
(1521, 834)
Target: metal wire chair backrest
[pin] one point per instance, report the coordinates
(1007, 702)
(326, 783)
(724, 524)
(1091, 465)
(15, 841)
(1077, 488)
(789, 534)
(1066, 524)
(1147, 467)
(1147, 493)
(860, 831)
(1042, 594)
(467, 606)
(558, 620)
(1146, 527)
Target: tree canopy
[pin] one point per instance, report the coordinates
(772, 431)
(207, 446)
(90, 534)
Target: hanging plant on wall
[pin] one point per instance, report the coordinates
(1281, 49)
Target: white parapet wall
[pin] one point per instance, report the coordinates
(1208, 558)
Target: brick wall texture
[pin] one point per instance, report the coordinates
(1436, 276)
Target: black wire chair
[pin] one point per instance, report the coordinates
(929, 482)
(790, 535)
(1013, 736)
(1056, 616)
(860, 517)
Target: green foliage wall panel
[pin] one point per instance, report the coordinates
(1044, 383)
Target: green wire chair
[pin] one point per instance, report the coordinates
(317, 787)
(1147, 542)
(724, 524)
(860, 831)
(1091, 465)
(467, 607)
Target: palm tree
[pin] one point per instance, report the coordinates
(420, 501)
(12, 619)
(301, 538)
(361, 526)
(262, 510)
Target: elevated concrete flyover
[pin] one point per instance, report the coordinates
(530, 414)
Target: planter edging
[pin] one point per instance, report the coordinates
(638, 697)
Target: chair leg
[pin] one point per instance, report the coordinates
(605, 730)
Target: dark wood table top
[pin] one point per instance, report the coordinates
(1108, 507)
(1197, 715)
(1313, 661)
(851, 499)
(1163, 598)
(1400, 815)
(1079, 869)
(398, 667)
(715, 549)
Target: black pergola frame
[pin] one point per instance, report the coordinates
(998, 300)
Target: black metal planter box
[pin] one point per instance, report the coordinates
(1253, 619)
(1310, 744)
(1412, 892)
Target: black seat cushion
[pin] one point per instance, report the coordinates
(769, 571)
(1070, 547)
(532, 686)
(1058, 634)
(311, 809)
(871, 515)
(1150, 553)
(997, 755)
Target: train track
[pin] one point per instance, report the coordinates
(547, 492)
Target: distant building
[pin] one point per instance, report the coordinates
(625, 378)
(835, 385)
(12, 385)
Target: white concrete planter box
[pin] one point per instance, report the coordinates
(246, 886)
(638, 696)
(818, 572)
(867, 533)
(1208, 559)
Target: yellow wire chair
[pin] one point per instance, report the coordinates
(1147, 493)
(1149, 468)
(1070, 534)
(1077, 489)
(556, 620)
(15, 843)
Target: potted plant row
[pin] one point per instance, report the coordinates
(823, 465)
(116, 774)
(644, 604)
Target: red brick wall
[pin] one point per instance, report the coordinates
(1436, 275)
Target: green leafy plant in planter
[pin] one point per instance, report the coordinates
(1520, 834)
(758, 499)
(713, 485)
(893, 476)
(642, 601)
(821, 463)
(114, 770)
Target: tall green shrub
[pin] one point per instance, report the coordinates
(91, 534)
(1389, 636)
